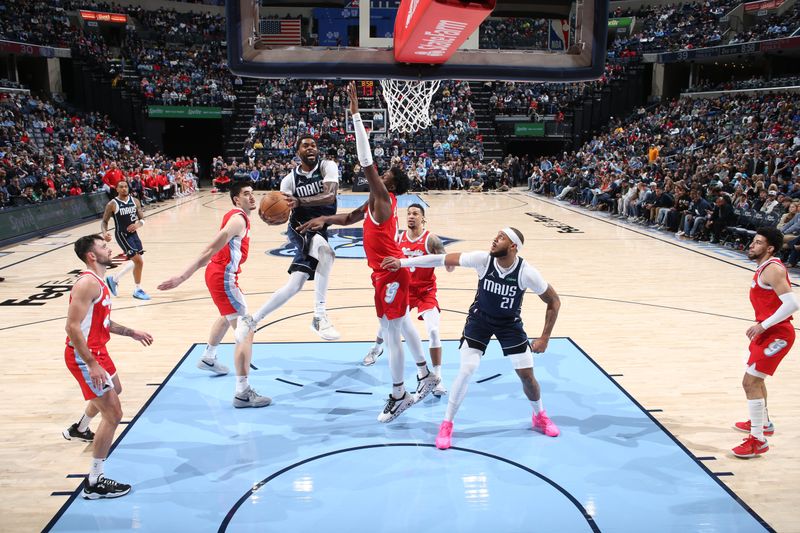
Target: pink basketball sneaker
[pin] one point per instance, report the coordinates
(543, 423)
(443, 438)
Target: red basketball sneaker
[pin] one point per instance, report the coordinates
(750, 447)
(769, 429)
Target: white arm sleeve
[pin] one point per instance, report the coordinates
(477, 260)
(531, 279)
(788, 306)
(362, 141)
(330, 171)
(287, 183)
(425, 261)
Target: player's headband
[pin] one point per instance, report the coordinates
(513, 237)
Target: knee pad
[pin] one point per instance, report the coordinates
(522, 360)
(319, 248)
(470, 360)
(431, 319)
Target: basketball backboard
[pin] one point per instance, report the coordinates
(522, 40)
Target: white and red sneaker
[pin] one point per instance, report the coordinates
(443, 438)
(542, 422)
(750, 447)
(769, 429)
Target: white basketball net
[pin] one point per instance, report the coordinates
(409, 103)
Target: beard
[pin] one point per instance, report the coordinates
(309, 161)
(499, 253)
(106, 262)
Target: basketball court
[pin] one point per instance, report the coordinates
(643, 373)
(643, 379)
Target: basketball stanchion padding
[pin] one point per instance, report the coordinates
(430, 31)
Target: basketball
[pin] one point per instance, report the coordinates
(274, 209)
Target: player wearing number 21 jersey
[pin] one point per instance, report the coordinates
(503, 278)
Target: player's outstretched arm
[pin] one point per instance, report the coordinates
(425, 261)
(435, 246)
(339, 219)
(379, 203)
(235, 226)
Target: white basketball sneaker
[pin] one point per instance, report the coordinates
(373, 355)
(323, 327)
(394, 407)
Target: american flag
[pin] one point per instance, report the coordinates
(276, 32)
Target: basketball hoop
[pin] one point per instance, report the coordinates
(409, 103)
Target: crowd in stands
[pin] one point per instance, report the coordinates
(426, 172)
(771, 27)
(661, 28)
(48, 152)
(692, 166)
(536, 99)
(753, 83)
(194, 76)
(515, 33)
(287, 109)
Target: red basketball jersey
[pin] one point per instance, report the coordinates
(420, 277)
(95, 326)
(379, 239)
(232, 257)
(765, 301)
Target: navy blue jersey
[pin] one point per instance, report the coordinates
(306, 186)
(499, 299)
(125, 214)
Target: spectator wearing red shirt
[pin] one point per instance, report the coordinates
(112, 177)
(221, 182)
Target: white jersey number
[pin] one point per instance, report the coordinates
(774, 347)
(391, 292)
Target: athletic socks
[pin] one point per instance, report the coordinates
(437, 370)
(398, 390)
(96, 470)
(210, 354)
(83, 423)
(422, 370)
(537, 406)
(756, 410)
(241, 384)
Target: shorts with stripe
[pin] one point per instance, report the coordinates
(391, 293)
(80, 371)
(768, 349)
(225, 292)
(129, 242)
(478, 331)
(302, 261)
